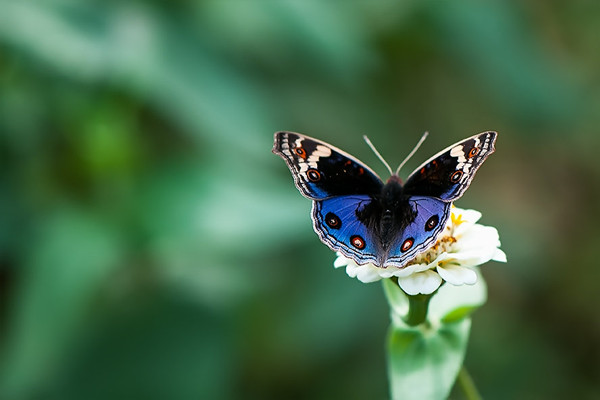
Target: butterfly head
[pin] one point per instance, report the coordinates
(394, 179)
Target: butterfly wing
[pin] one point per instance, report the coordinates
(339, 185)
(430, 219)
(336, 222)
(322, 171)
(449, 173)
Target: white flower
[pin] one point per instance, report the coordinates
(463, 245)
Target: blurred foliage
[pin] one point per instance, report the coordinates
(152, 247)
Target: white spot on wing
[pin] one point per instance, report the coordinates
(313, 159)
(459, 153)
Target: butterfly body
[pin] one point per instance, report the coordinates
(387, 213)
(367, 220)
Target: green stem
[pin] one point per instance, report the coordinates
(417, 309)
(467, 385)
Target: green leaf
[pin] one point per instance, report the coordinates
(452, 303)
(423, 362)
(458, 314)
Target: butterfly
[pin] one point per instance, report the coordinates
(369, 221)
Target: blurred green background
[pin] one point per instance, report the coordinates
(152, 247)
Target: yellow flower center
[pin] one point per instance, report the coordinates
(443, 244)
(456, 219)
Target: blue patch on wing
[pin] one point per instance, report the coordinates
(431, 217)
(337, 225)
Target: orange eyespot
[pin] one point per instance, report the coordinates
(357, 242)
(408, 243)
(432, 223)
(455, 177)
(300, 152)
(313, 175)
(473, 152)
(333, 221)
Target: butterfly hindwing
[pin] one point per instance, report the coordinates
(335, 221)
(321, 171)
(449, 173)
(431, 215)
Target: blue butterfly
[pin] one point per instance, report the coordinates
(369, 221)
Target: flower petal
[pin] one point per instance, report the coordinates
(476, 236)
(457, 275)
(471, 216)
(425, 282)
(340, 261)
(404, 271)
(364, 273)
(473, 258)
(499, 256)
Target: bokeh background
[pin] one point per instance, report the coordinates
(152, 247)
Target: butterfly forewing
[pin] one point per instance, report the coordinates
(448, 174)
(322, 171)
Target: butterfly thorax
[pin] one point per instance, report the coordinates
(388, 213)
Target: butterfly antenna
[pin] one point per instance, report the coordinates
(413, 151)
(377, 153)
